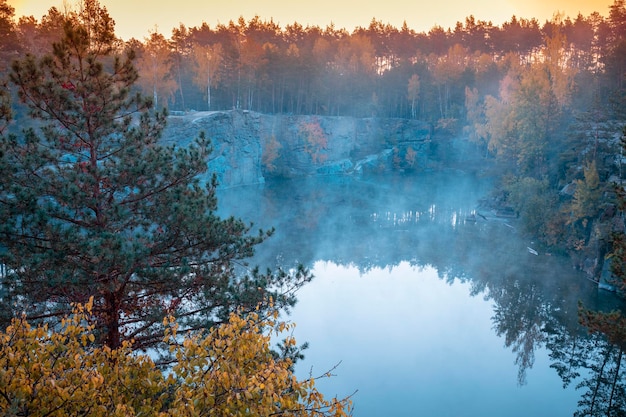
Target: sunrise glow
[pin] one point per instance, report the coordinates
(140, 17)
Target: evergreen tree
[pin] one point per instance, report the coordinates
(92, 205)
(9, 42)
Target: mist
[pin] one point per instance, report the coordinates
(416, 265)
(457, 194)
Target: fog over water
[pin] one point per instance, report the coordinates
(432, 304)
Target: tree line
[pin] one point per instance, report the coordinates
(376, 70)
(111, 248)
(95, 211)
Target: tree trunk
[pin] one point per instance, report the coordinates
(615, 379)
(112, 321)
(180, 86)
(208, 89)
(599, 382)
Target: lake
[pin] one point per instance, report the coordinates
(428, 304)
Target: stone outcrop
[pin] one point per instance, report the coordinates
(248, 146)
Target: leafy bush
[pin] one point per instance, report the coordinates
(229, 371)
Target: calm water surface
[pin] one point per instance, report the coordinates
(431, 308)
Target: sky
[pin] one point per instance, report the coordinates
(138, 18)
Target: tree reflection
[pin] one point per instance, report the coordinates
(519, 317)
(604, 388)
(379, 223)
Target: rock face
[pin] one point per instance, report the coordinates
(248, 146)
(235, 138)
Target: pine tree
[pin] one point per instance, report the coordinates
(92, 205)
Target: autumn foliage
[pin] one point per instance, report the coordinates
(315, 140)
(101, 207)
(59, 372)
(230, 371)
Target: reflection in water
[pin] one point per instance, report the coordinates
(603, 385)
(417, 291)
(604, 390)
(416, 345)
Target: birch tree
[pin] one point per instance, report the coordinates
(207, 60)
(154, 70)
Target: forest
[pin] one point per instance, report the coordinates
(544, 100)
(375, 70)
(107, 211)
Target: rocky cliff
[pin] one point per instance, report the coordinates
(249, 147)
